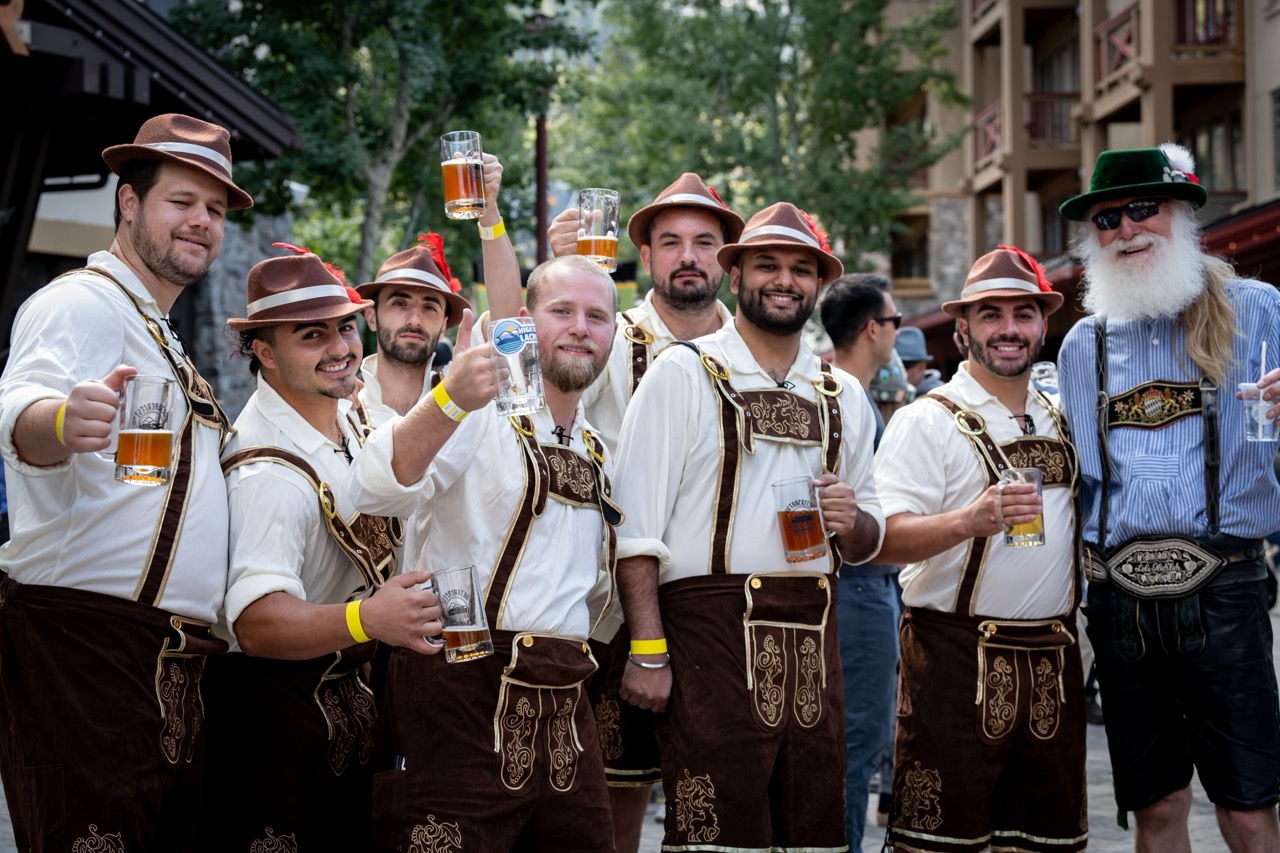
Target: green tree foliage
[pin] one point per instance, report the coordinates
(371, 84)
(768, 99)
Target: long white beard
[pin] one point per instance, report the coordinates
(1153, 285)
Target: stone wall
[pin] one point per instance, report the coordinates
(221, 294)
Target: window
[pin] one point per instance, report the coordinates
(1218, 146)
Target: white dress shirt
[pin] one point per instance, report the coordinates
(607, 398)
(669, 457)
(460, 511)
(72, 524)
(279, 541)
(926, 466)
(371, 392)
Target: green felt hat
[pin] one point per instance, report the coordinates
(1164, 172)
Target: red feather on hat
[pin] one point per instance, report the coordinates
(716, 196)
(1045, 287)
(303, 250)
(821, 235)
(435, 244)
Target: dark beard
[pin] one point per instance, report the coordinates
(405, 354)
(682, 298)
(981, 353)
(751, 304)
(164, 264)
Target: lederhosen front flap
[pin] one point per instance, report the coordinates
(203, 408)
(1058, 464)
(777, 414)
(552, 470)
(367, 540)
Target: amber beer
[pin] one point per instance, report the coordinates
(1030, 533)
(602, 250)
(1025, 535)
(466, 642)
(463, 188)
(143, 455)
(802, 537)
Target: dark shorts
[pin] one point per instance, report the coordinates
(1189, 683)
(627, 742)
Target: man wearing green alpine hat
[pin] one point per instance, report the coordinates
(1175, 502)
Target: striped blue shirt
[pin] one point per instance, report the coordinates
(1157, 475)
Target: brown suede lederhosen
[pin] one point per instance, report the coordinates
(990, 740)
(306, 728)
(752, 742)
(501, 752)
(101, 718)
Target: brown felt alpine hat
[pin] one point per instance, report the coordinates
(295, 289)
(416, 267)
(689, 190)
(783, 225)
(1005, 272)
(176, 138)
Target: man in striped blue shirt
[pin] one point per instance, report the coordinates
(1175, 503)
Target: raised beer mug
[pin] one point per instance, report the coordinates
(462, 168)
(598, 226)
(466, 627)
(143, 439)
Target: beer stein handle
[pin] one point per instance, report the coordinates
(110, 455)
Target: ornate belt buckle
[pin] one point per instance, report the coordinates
(1163, 568)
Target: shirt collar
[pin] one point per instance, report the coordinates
(372, 390)
(123, 273)
(285, 418)
(650, 317)
(973, 395)
(741, 360)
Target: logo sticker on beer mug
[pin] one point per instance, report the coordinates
(510, 336)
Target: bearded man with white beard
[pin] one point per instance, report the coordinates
(1174, 503)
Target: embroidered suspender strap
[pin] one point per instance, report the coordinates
(640, 341)
(203, 407)
(993, 461)
(611, 513)
(829, 391)
(733, 440)
(366, 540)
(1205, 394)
(533, 501)
(1102, 413)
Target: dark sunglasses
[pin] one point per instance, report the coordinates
(1109, 219)
(896, 320)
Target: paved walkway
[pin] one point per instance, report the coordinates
(1104, 835)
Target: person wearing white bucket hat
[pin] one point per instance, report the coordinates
(990, 745)
(138, 572)
(1176, 502)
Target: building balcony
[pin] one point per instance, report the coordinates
(1048, 125)
(1206, 45)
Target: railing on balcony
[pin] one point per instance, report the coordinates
(1048, 116)
(1206, 27)
(988, 128)
(1116, 42)
(1201, 28)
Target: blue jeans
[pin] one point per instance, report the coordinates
(868, 613)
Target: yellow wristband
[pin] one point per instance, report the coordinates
(57, 424)
(451, 409)
(353, 622)
(649, 647)
(493, 233)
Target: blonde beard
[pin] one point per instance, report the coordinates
(1156, 284)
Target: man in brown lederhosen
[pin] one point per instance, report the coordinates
(500, 753)
(105, 613)
(416, 299)
(990, 741)
(677, 235)
(311, 581)
(737, 645)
